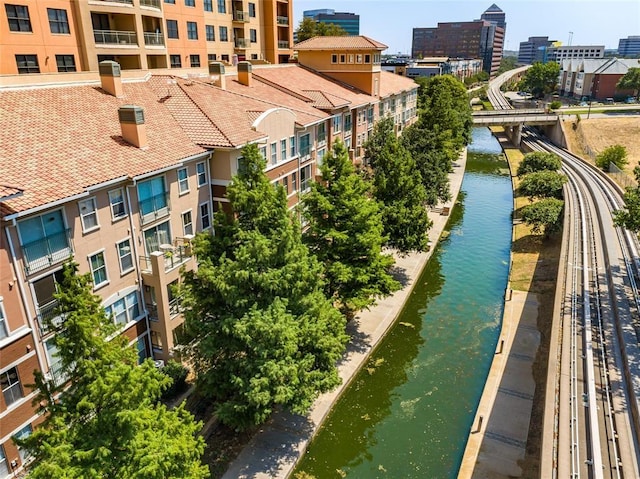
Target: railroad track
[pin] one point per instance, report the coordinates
(592, 412)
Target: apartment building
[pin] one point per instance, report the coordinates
(573, 52)
(595, 78)
(121, 170)
(52, 36)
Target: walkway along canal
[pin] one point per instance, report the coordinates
(409, 411)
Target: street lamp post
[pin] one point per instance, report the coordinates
(589, 111)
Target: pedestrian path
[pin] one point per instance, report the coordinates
(275, 449)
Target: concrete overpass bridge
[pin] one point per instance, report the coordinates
(514, 120)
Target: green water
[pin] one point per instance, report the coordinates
(408, 412)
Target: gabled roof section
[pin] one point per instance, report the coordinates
(321, 90)
(352, 42)
(392, 84)
(617, 66)
(57, 142)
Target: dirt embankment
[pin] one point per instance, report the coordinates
(587, 138)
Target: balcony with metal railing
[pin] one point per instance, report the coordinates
(240, 16)
(283, 44)
(154, 207)
(47, 317)
(282, 20)
(242, 43)
(152, 39)
(115, 37)
(45, 252)
(179, 253)
(151, 3)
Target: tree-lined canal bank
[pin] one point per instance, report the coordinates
(409, 410)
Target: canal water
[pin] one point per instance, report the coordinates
(408, 412)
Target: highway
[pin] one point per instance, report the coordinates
(592, 414)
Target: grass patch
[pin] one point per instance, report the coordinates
(595, 110)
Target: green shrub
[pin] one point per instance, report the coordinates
(178, 374)
(538, 161)
(616, 154)
(554, 105)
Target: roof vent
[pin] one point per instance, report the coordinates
(110, 79)
(132, 125)
(216, 73)
(244, 73)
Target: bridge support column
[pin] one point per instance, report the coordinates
(516, 134)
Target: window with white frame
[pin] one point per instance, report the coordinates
(98, 269)
(187, 223)
(322, 132)
(23, 433)
(125, 309)
(4, 468)
(292, 146)
(283, 149)
(201, 173)
(347, 142)
(156, 236)
(294, 181)
(334, 58)
(305, 145)
(337, 123)
(274, 153)
(88, 214)
(11, 387)
(263, 152)
(205, 218)
(125, 255)
(4, 330)
(183, 180)
(305, 178)
(347, 123)
(116, 202)
(55, 362)
(320, 155)
(285, 184)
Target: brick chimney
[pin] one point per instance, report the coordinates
(110, 78)
(244, 73)
(132, 125)
(216, 72)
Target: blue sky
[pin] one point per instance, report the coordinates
(592, 22)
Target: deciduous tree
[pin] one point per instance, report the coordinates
(629, 217)
(544, 216)
(263, 332)
(107, 421)
(616, 154)
(540, 79)
(443, 129)
(538, 161)
(309, 28)
(630, 81)
(398, 186)
(542, 184)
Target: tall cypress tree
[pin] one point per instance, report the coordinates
(106, 421)
(346, 234)
(398, 187)
(263, 333)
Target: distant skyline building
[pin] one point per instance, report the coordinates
(495, 15)
(350, 22)
(533, 50)
(573, 52)
(629, 47)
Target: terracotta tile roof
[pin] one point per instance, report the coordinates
(318, 88)
(352, 42)
(56, 142)
(391, 84)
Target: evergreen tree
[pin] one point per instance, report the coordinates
(263, 333)
(398, 187)
(346, 234)
(107, 422)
